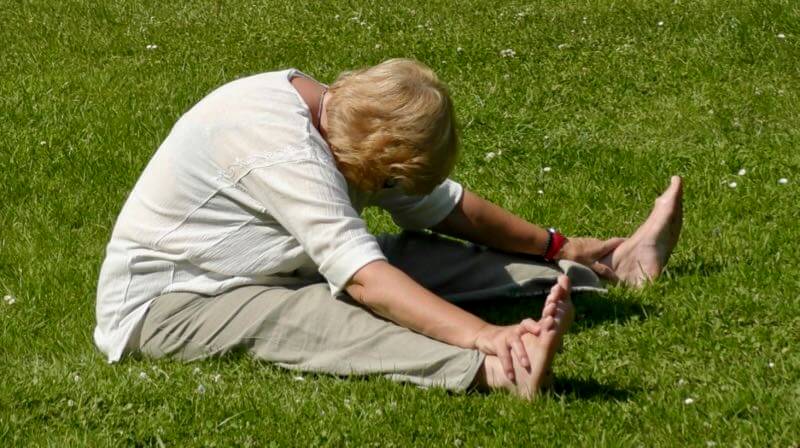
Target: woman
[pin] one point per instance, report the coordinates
(243, 233)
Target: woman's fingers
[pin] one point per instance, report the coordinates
(605, 271)
(607, 247)
(588, 250)
(504, 355)
(500, 342)
(530, 326)
(519, 349)
(507, 344)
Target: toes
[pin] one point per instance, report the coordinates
(547, 323)
(560, 290)
(554, 295)
(561, 314)
(564, 283)
(676, 183)
(549, 310)
(674, 192)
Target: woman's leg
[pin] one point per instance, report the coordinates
(302, 328)
(462, 272)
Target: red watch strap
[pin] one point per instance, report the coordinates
(557, 241)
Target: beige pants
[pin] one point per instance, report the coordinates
(304, 328)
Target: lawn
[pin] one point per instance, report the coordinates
(573, 114)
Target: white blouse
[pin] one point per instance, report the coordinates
(243, 191)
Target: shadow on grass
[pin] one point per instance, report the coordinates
(697, 266)
(590, 309)
(583, 389)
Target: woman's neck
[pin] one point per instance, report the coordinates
(313, 94)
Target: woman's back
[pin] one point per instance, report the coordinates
(189, 224)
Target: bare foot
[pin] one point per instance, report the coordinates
(642, 257)
(557, 315)
(559, 293)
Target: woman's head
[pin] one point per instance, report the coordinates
(392, 122)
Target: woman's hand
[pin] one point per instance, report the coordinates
(588, 250)
(501, 341)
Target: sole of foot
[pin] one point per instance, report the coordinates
(643, 256)
(557, 316)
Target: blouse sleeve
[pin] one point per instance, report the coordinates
(309, 199)
(420, 212)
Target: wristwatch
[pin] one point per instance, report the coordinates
(555, 241)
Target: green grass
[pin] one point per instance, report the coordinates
(600, 92)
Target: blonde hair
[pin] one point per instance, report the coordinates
(393, 121)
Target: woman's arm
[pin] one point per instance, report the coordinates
(392, 294)
(478, 220)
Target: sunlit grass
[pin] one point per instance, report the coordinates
(613, 97)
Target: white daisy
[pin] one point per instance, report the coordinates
(508, 53)
(783, 181)
(660, 23)
(742, 172)
(781, 36)
(732, 184)
(546, 169)
(490, 156)
(688, 401)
